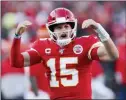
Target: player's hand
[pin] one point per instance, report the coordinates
(22, 27)
(89, 23)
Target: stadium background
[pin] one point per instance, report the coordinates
(111, 14)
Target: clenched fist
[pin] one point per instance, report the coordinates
(89, 23)
(22, 27)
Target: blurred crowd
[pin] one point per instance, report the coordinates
(110, 14)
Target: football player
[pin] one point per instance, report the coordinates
(67, 58)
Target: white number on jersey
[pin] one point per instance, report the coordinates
(63, 71)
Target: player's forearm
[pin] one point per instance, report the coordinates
(110, 47)
(16, 58)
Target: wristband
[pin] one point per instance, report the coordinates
(17, 36)
(102, 34)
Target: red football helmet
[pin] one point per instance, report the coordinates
(58, 16)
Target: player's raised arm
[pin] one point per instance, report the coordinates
(108, 51)
(26, 58)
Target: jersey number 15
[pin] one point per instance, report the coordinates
(51, 63)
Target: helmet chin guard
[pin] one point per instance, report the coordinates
(63, 42)
(59, 16)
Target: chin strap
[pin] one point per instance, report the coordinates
(63, 42)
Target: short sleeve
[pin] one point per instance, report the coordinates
(35, 46)
(39, 46)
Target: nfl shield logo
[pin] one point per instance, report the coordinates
(61, 51)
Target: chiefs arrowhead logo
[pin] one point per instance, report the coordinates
(77, 49)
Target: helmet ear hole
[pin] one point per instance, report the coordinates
(54, 18)
(67, 17)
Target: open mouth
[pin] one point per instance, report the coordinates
(63, 36)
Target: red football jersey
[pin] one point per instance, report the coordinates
(67, 68)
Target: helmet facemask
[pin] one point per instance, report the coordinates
(60, 16)
(63, 38)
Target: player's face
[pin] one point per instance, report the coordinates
(63, 31)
